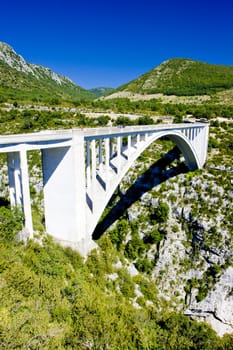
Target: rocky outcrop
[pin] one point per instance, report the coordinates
(196, 244)
(17, 62)
(217, 307)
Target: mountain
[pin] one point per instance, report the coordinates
(25, 81)
(20, 80)
(182, 77)
(102, 91)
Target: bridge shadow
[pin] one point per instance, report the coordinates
(4, 202)
(155, 175)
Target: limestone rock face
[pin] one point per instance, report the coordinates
(17, 62)
(217, 307)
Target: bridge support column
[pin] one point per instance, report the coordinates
(88, 164)
(93, 162)
(129, 145)
(64, 190)
(14, 174)
(107, 151)
(111, 147)
(193, 134)
(26, 192)
(100, 155)
(19, 185)
(119, 144)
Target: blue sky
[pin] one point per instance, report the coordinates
(109, 43)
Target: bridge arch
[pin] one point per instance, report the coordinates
(179, 139)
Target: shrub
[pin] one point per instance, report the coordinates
(144, 265)
(10, 223)
(118, 234)
(161, 213)
(148, 289)
(155, 236)
(127, 286)
(134, 248)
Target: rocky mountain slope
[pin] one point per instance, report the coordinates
(176, 227)
(180, 77)
(23, 80)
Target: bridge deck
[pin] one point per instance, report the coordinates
(88, 133)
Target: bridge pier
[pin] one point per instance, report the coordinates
(26, 192)
(93, 162)
(88, 164)
(107, 159)
(19, 186)
(100, 155)
(129, 145)
(64, 191)
(119, 145)
(14, 174)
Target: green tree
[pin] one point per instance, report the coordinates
(161, 213)
(145, 120)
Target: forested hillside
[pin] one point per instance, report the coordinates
(183, 77)
(102, 91)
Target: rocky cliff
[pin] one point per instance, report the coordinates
(22, 80)
(188, 252)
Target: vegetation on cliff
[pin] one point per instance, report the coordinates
(52, 299)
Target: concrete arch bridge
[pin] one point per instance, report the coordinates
(82, 168)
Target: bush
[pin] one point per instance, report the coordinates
(126, 284)
(144, 265)
(148, 289)
(118, 234)
(134, 248)
(155, 236)
(10, 223)
(213, 143)
(161, 213)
